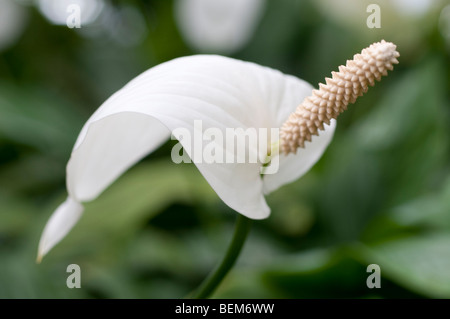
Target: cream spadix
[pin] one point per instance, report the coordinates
(332, 98)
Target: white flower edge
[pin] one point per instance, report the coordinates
(220, 91)
(59, 224)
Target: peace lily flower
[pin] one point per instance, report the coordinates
(223, 93)
(220, 91)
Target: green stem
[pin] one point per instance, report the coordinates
(211, 282)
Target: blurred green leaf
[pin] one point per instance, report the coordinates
(37, 118)
(326, 273)
(420, 263)
(430, 211)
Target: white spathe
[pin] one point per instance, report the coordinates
(222, 93)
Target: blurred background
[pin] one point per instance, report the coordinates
(379, 195)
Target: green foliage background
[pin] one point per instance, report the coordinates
(380, 194)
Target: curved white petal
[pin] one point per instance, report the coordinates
(221, 26)
(59, 224)
(293, 166)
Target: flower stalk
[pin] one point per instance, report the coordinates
(215, 278)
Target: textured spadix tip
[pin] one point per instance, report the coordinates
(332, 98)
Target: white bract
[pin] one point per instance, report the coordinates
(222, 93)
